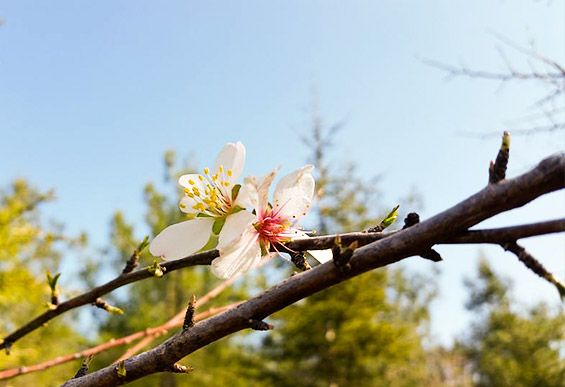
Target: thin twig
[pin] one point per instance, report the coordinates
(492, 200)
(153, 332)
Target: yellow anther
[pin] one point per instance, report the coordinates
(221, 169)
(191, 182)
(206, 171)
(196, 191)
(215, 177)
(186, 191)
(200, 177)
(225, 183)
(190, 195)
(230, 173)
(182, 205)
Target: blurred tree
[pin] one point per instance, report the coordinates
(366, 331)
(506, 348)
(28, 249)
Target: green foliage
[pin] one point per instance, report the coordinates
(507, 348)
(352, 334)
(28, 250)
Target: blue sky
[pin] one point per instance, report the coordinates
(93, 93)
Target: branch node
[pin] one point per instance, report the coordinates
(52, 282)
(342, 255)
(432, 255)
(100, 303)
(299, 260)
(7, 346)
(387, 221)
(411, 219)
(121, 369)
(497, 170)
(259, 325)
(83, 370)
(156, 269)
(133, 260)
(189, 315)
(179, 369)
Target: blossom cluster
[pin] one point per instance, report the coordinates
(238, 219)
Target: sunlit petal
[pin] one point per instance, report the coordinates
(192, 180)
(182, 239)
(231, 158)
(238, 257)
(294, 192)
(234, 227)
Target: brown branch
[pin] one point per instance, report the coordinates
(492, 200)
(495, 236)
(90, 296)
(152, 333)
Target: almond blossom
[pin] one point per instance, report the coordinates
(246, 237)
(209, 199)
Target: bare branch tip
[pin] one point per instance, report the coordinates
(497, 169)
(259, 325)
(189, 315)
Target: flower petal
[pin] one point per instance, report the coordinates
(294, 192)
(234, 227)
(192, 180)
(247, 197)
(182, 239)
(186, 205)
(238, 257)
(259, 190)
(231, 157)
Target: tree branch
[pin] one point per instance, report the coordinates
(495, 198)
(152, 333)
(494, 236)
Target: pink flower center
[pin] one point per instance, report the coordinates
(272, 228)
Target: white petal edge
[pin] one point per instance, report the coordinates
(262, 187)
(182, 239)
(185, 181)
(238, 257)
(234, 227)
(294, 192)
(232, 156)
(247, 197)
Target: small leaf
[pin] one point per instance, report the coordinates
(52, 280)
(211, 244)
(237, 209)
(218, 225)
(121, 370)
(391, 217)
(144, 243)
(235, 191)
(115, 310)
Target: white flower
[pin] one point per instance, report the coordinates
(246, 237)
(208, 198)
